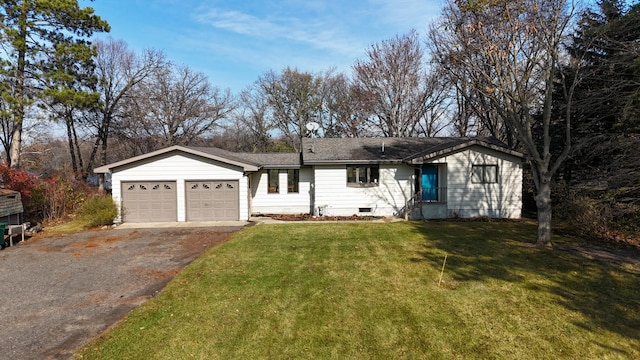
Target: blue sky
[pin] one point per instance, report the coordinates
(235, 42)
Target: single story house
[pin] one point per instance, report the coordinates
(410, 177)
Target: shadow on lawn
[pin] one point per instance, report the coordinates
(607, 294)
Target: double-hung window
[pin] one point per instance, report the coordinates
(484, 174)
(363, 176)
(293, 180)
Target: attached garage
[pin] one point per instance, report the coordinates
(154, 201)
(212, 200)
(181, 184)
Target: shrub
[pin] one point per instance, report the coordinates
(62, 196)
(57, 197)
(21, 181)
(601, 217)
(98, 211)
(588, 216)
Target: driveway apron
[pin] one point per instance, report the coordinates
(57, 293)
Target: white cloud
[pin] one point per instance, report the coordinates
(320, 33)
(311, 35)
(238, 22)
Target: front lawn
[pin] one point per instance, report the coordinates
(370, 291)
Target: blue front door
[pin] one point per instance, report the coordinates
(429, 183)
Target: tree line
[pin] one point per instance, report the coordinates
(557, 82)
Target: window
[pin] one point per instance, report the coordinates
(362, 175)
(484, 173)
(293, 178)
(274, 182)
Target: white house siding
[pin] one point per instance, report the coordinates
(180, 168)
(387, 199)
(467, 199)
(282, 202)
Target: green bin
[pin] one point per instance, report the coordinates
(3, 227)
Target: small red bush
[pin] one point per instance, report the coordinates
(18, 180)
(53, 198)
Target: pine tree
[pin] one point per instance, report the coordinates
(604, 164)
(31, 32)
(608, 44)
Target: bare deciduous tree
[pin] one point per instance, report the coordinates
(392, 84)
(472, 113)
(341, 115)
(513, 50)
(294, 100)
(118, 69)
(175, 106)
(253, 117)
(436, 107)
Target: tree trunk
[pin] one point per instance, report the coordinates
(72, 153)
(101, 182)
(16, 142)
(16, 138)
(100, 138)
(543, 203)
(103, 148)
(82, 172)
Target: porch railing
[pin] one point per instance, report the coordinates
(434, 195)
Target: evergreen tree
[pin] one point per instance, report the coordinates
(608, 44)
(31, 33)
(604, 164)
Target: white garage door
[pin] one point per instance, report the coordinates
(212, 200)
(150, 201)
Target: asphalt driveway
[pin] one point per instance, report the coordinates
(56, 293)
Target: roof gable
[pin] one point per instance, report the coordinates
(207, 153)
(453, 147)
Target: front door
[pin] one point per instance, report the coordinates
(429, 183)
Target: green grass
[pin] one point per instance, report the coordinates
(370, 291)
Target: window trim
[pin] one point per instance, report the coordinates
(483, 168)
(371, 175)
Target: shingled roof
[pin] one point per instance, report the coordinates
(225, 154)
(273, 160)
(389, 150)
(335, 150)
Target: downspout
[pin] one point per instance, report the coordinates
(250, 194)
(249, 197)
